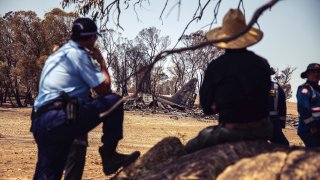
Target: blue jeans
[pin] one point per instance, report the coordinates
(54, 135)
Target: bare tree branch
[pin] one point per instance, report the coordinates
(165, 6)
(195, 17)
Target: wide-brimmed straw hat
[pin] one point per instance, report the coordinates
(233, 23)
(311, 67)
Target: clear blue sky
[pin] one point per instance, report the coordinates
(291, 29)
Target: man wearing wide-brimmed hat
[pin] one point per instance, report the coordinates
(236, 86)
(308, 99)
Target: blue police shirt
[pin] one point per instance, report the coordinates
(71, 70)
(308, 107)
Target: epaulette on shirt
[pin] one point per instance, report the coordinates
(305, 90)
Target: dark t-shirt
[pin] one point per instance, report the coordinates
(238, 82)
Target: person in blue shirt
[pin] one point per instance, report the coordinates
(76, 160)
(63, 111)
(308, 102)
(277, 112)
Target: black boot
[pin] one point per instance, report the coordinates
(112, 161)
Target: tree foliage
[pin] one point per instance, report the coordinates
(150, 43)
(20, 44)
(283, 78)
(126, 57)
(25, 42)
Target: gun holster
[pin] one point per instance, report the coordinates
(70, 106)
(65, 102)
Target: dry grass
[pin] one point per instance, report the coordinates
(292, 109)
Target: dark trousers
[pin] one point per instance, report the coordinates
(75, 162)
(213, 135)
(278, 137)
(310, 140)
(54, 135)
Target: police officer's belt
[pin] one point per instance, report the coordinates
(248, 125)
(43, 109)
(48, 107)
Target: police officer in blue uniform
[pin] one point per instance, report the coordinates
(63, 111)
(73, 169)
(308, 99)
(277, 112)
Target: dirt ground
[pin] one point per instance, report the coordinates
(18, 152)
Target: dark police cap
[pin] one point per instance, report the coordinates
(84, 27)
(311, 67)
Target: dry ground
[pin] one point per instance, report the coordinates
(141, 132)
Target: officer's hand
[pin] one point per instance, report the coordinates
(96, 54)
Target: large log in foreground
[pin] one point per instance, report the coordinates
(295, 164)
(237, 160)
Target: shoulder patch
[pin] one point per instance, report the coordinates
(304, 91)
